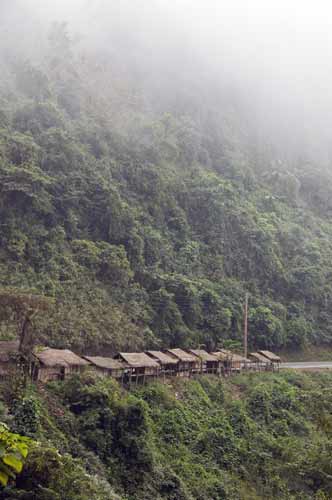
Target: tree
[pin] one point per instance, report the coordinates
(24, 305)
(267, 329)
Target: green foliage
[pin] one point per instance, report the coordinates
(26, 416)
(131, 448)
(13, 452)
(268, 328)
(148, 228)
(126, 225)
(49, 475)
(262, 435)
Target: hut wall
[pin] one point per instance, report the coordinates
(46, 374)
(151, 371)
(72, 369)
(211, 367)
(236, 365)
(185, 368)
(169, 369)
(116, 373)
(138, 372)
(103, 372)
(108, 372)
(144, 371)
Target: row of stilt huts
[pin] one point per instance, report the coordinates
(46, 364)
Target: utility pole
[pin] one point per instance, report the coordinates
(245, 332)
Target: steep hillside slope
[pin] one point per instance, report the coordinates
(147, 220)
(245, 438)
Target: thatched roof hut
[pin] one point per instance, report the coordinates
(56, 364)
(209, 362)
(59, 357)
(225, 354)
(270, 356)
(256, 357)
(168, 364)
(187, 363)
(221, 355)
(138, 360)
(237, 358)
(140, 365)
(105, 363)
(182, 355)
(162, 358)
(107, 366)
(231, 361)
(204, 355)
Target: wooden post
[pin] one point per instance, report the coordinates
(245, 333)
(201, 360)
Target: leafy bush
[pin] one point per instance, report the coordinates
(13, 452)
(26, 416)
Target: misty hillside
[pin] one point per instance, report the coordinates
(158, 162)
(146, 203)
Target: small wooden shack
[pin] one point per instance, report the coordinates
(188, 364)
(9, 356)
(259, 362)
(209, 363)
(140, 366)
(273, 358)
(239, 362)
(231, 362)
(107, 366)
(168, 364)
(225, 361)
(56, 364)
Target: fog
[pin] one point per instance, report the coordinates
(272, 58)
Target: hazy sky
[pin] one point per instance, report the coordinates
(279, 50)
(285, 39)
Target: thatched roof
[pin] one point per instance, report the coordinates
(221, 355)
(239, 358)
(106, 363)
(59, 357)
(270, 356)
(7, 348)
(138, 360)
(204, 355)
(258, 358)
(182, 355)
(164, 359)
(224, 354)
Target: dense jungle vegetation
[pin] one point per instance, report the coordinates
(136, 210)
(249, 437)
(145, 213)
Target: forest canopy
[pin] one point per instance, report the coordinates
(145, 208)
